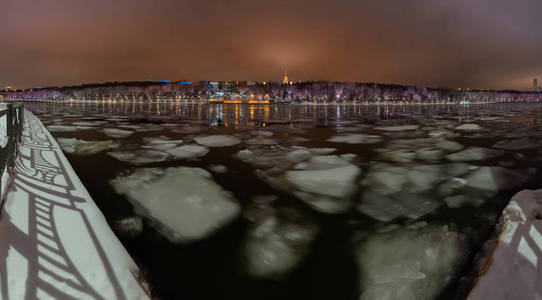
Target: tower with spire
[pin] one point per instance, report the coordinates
(285, 79)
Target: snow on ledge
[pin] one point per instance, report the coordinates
(513, 269)
(54, 241)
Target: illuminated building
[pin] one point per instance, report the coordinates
(285, 79)
(536, 87)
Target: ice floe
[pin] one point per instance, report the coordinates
(217, 140)
(117, 133)
(275, 244)
(406, 205)
(475, 153)
(262, 133)
(410, 264)
(397, 128)
(67, 128)
(468, 127)
(356, 138)
(220, 169)
(298, 155)
(188, 151)
(139, 156)
(82, 147)
(326, 190)
(184, 204)
(89, 123)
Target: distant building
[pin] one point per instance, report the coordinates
(285, 80)
(536, 87)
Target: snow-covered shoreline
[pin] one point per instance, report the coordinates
(510, 265)
(54, 241)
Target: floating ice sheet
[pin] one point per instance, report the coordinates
(184, 204)
(188, 151)
(82, 147)
(410, 264)
(117, 133)
(138, 157)
(217, 140)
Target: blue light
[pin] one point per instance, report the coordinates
(164, 81)
(185, 82)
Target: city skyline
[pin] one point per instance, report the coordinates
(424, 43)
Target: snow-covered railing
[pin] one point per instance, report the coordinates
(11, 126)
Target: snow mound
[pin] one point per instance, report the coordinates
(188, 151)
(82, 147)
(117, 133)
(410, 264)
(217, 140)
(139, 156)
(184, 204)
(357, 138)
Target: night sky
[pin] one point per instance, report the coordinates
(454, 43)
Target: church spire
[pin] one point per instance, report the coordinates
(285, 79)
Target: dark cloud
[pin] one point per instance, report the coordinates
(463, 43)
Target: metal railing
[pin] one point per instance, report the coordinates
(10, 137)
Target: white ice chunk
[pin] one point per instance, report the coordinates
(497, 178)
(398, 128)
(159, 147)
(89, 123)
(184, 204)
(474, 153)
(139, 156)
(220, 169)
(274, 246)
(117, 133)
(468, 127)
(449, 146)
(323, 162)
(244, 154)
(188, 151)
(82, 147)
(298, 155)
(388, 208)
(217, 140)
(410, 264)
(66, 128)
(262, 133)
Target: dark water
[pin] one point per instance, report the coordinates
(214, 267)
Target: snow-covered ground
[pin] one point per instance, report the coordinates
(55, 242)
(511, 268)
